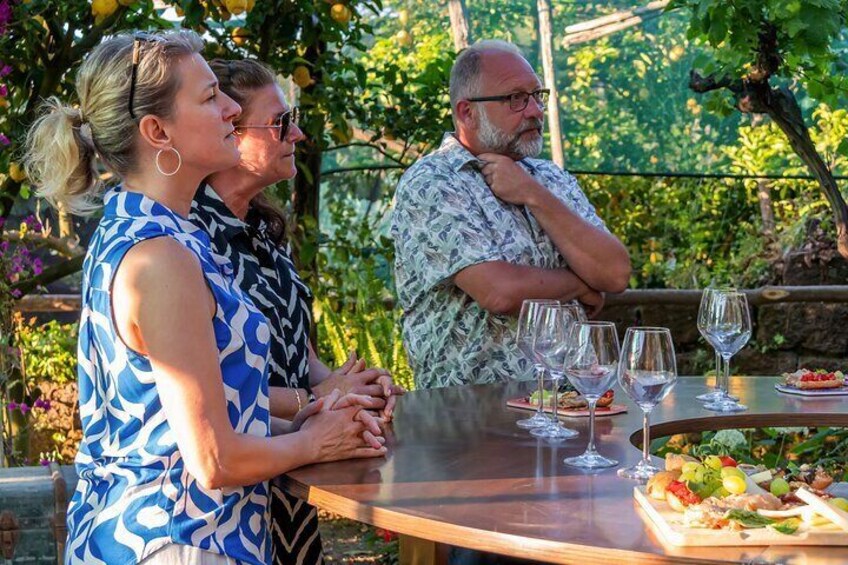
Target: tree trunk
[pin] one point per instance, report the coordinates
(766, 211)
(782, 107)
(546, 51)
(459, 24)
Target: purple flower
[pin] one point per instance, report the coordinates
(5, 70)
(24, 408)
(33, 223)
(17, 293)
(44, 462)
(4, 141)
(12, 406)
(37, 266)
(3, 90)
(45, 404)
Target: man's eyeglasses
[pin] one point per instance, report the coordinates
(284, 121)
(517, 100)
(139, 37)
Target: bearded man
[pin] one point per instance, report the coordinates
(480, 225)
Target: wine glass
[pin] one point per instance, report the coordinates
(552, 347)
(728, 329)
(527, 322)
(647, 372)
(720, 390)
(591, 368)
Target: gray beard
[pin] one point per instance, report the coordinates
(496, 140)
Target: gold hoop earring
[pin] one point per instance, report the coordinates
(179, 162)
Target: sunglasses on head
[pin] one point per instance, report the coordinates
(284, 121)
(139, 38)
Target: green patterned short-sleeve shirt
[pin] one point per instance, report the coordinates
(446, 219)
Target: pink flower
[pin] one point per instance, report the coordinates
(24, 408)
(3, 90)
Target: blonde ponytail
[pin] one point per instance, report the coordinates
(63, 143)
(60, 159)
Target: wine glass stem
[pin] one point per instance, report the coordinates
(554, 399)
(646, 437)
(591, 447)
(718, 374)
(540, 375)
(726, 367)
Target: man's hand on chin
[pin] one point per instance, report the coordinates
(508, 180)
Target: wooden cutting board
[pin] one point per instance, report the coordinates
(610, 410)
(668, 524)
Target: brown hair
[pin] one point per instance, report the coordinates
(239, 80)
(63, 143)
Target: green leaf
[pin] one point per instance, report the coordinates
(842, 149)
(748, 519)
(787, 527)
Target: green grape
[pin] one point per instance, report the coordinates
(699, 475)
(732, 472)
(687, 477)
(713, 462)
(690, 466)
(779, 487)
(720, 492)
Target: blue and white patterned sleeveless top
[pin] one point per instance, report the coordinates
(135, 494)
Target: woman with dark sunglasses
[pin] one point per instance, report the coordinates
(247, 229)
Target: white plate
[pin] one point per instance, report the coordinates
(843, 391)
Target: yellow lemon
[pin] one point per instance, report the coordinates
(240, 36)
(403, 38)
(16, 172)
(236, 7)
(301, 76)
(340, 13)
(103, 8)
(734, 484)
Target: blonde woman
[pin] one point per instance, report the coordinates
(177, 448)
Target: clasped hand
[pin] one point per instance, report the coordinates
(354, 377)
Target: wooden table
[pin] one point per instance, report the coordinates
(460, 472)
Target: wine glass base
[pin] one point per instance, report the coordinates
(590, 461)
(639, 472)
(715, 396)
(725, 406)
(536, 421)
(554, 431)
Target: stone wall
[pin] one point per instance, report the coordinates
(785, 336)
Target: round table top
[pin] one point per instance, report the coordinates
(459, 471)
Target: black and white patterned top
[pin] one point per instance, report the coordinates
(266, 273)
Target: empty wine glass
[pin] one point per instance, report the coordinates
(552, 347)
(728, 329)
(527, 322)
(647, 372)
(591, 368)
(720, 391)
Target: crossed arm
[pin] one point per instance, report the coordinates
(598, 262)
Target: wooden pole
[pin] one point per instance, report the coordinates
(546, 50)
(460, 31)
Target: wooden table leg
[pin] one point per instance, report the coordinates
(417, 551)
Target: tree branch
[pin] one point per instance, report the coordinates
(372, 146)
(49, 275)
(702, 84)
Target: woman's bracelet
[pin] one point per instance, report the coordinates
(297, 396)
